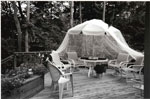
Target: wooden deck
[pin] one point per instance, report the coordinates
(107, 87)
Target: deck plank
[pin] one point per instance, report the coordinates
(107, 87)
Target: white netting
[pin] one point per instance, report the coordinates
(94, 38)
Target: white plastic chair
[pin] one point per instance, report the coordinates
(73, 57)
(58, 63)
(134, 69)
(116, 64)
(60, 78)
(139, 85)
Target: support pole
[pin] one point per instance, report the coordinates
(147, 54)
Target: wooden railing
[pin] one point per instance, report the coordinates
(18, 58)
(7, 59)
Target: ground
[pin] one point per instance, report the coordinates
(107, 87)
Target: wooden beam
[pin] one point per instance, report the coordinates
(15, 61)
(147, 54)
(37, 52)
(7, 59)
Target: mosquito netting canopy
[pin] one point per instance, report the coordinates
(95, 38)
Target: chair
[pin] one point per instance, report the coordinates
(58, 63)
(140, 86)
(73, 57)
(122, 58)
(58, 77)
(135, 68)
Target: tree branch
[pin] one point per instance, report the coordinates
(20, 10)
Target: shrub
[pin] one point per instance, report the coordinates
(14, 78)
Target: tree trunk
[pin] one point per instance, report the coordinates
(80, 7)
(71, 13)
(147, 53)
(17, 26)
(104, 8)
(27, 34)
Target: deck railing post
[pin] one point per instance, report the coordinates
(147, 54)
(15, 61)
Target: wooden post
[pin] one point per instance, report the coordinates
(147, 54)
(15, 61)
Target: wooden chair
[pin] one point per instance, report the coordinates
(120, 61)
(56, 60)
(59, 78)
(134, 69)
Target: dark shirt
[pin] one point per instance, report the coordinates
(100, 68)
(44, 59)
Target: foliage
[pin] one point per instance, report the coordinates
(87, 12)
(8, 46)
(15, 78)
(128, 17)
(131, 22)
(49, 21)
(46, 27)
(8, 32)
(38, 69)
(9, 84)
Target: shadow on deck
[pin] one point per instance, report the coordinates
(107, 87)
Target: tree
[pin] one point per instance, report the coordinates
(104, 8)
(17, 26)
(130, 20)
(26, 33)
(8, 32)
(49, 21)
(80, 7)
(71, 12)
(49, 24)
(90, 10)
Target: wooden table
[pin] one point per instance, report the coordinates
(93, 63)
